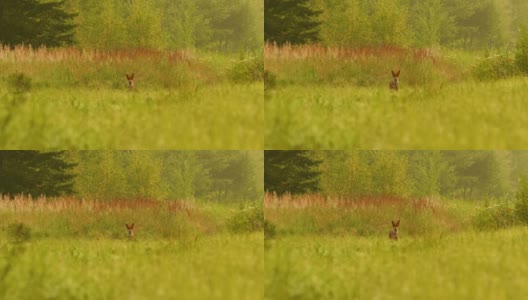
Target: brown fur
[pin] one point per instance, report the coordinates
(130, 229)
(394, 84)
(130, 80)
(393, 234)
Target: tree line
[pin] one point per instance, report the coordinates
(465, 24)
(220, 25)
(107, 175)
(459, 174)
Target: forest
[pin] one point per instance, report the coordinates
(356, 174)
(230, 176)
(473, 24)
(220, 25)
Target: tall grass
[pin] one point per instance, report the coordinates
(339, 98)
(315, 214)
(340, 66)
(68, 248)
(78, 99)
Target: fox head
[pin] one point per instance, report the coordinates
(395, 225)
(130, 79)
(130, 229)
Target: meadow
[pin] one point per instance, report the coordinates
(339, 98)
(79, 99)
(65, 248)
(324, 248)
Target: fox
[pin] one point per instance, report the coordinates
(130, 81)
(393, 234)
(130, 229)
(394, 84)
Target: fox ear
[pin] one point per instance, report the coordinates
(393, 74)
(397, 223)
(132, 77)
(393, 224)
(128, 77)
(397, 74)
(133, 224)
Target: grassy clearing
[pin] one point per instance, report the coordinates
(79, 100)
(469, 265)
(326, 248)
(67, 249)
(325, 98)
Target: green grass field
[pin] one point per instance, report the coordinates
(216, 117)
(318, 99)
(468, 265)
(325, 248)
(67, 249)
(71, 99)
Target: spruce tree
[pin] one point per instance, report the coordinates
(35, 23)
(290, 21)
(36, 173)
(292, 172)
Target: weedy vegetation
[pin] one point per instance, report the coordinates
(71, 248)
(338, 248)
(79, 99)
(329, 97)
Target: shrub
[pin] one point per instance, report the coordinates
(521, 54)
(19, 83)
(496, 217)
(247, 70)
(18, 232)
(521, 207)
(269, 230)
(495, 67)
(270, 80)
(247, 220)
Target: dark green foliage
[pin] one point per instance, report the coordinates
(496, 217)
(249, 219)
(19, 83)
(270, 230)
(290, 21)
(36, 173)
(521, 207)
(292, 172)
(521, 54)
(18, 232)
(248, 69)
(35, 23)
(495, 67)
(270, 80)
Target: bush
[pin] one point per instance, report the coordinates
(495, 67)
(269, 230)
(521, 54)
(521, 207)
(18, 232)
(247, 220)
(19, 83)
(496, 217)
(248, 70)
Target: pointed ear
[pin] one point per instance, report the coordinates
(397, 74)
(393, 224)
(393, 74)
(132, 76)
(398, 223)
(126, 225)
(127, 76)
